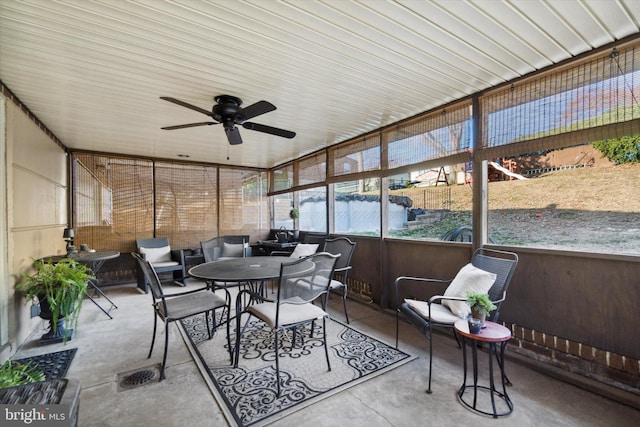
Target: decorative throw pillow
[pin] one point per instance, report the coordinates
(152, 255)
(232, 249)
(304, 249)
(468, 279)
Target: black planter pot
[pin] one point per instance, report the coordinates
(57, 332)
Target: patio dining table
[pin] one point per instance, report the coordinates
(250, 272)
(240, 270)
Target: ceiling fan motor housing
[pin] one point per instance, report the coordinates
(226, 110)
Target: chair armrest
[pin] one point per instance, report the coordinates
(248, 251)
(243, 294)
(407, 280)
(178, 255)
(504, 297)
(438, 298)
(191, 291)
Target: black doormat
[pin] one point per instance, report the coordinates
(54, 365)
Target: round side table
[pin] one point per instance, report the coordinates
(492, 334)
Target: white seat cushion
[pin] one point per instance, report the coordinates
(188, 305)
(439, 314)
(468, 279)
(164, 264)
(289, 313)
(335, 284)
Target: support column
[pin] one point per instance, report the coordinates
(479, 214)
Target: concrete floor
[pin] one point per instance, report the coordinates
(398, 398)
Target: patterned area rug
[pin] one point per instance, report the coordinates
(248, 394)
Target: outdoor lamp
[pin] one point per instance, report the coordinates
(68, 235)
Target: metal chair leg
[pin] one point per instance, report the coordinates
(326, 349)
(344, 302)
(277, 337)
(166, 347)
(430, 357)
(153, 337)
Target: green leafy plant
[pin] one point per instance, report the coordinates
(294, 214)
(480, 303)
(62, 284)
(13, 374)
(620, 150)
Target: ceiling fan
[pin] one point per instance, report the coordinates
(228, 112)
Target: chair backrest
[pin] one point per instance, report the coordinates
(313, 237)
(501, 263)
(236, 238)
(305, 279)
(151, 276)
(342, 246)
(214, 248)
(211, 249)
(154, 242)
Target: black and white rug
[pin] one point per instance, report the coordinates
(248, 394)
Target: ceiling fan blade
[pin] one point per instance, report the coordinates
(268, 129)
(233, 135)
(190, 125)
(184, 104)
(254, 110)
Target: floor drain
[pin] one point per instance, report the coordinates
(137, 378)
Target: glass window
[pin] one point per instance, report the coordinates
(281, 205)
(360, 155)
(432, 203)
(312, 169)
(567, 199)
(429, 136)
(357, 207)
(282, 178)
(312, 206)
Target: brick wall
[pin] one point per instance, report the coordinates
(601, 365)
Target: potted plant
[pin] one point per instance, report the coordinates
(480, 305)
(294, 214)
(60, 288)
(13, 374)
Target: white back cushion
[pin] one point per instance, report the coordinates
(152, 255)
(303, 250)
(468, 279)
(233, 250)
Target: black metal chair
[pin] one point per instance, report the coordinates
(438, 310)
(222, 247)
(177, 306)
(300, 283)
(164, 259)
(343, 247)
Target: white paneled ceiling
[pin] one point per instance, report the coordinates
(93, 71)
